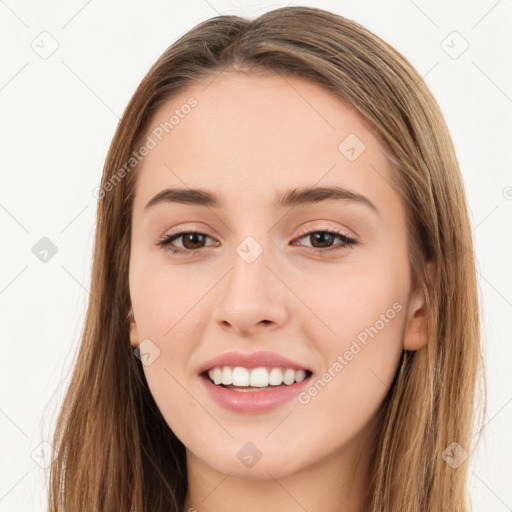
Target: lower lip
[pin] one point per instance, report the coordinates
(253, 401)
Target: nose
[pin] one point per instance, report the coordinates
(251, 298)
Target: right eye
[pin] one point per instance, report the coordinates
(191, 237)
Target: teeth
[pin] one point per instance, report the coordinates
(227, 375)
(257, 377)
(275, 377)
(289, 376)
(241, 376)
(217, 375)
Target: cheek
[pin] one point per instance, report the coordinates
(169, 313)
(170, 376)
(167, 297)
(358, 362)
(357, 331)
(344, 303)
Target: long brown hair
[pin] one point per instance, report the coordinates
(115, 451)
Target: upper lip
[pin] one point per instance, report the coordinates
(252, 360)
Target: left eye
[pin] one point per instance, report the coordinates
(193, 238)
(326, 237)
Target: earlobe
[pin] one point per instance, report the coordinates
(416, 329)
(134, 334)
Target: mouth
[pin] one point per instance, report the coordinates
(254, 379)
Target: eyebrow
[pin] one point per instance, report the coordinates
(292, 197)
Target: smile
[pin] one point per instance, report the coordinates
(253, 393)
(241, 377)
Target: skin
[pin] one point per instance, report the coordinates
(248, 138)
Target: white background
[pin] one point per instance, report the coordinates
(58, 117)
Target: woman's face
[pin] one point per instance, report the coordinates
(254, 279)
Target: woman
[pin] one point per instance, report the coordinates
(284, 309)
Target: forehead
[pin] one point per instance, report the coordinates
(248, 136)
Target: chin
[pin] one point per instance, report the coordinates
(276, 465)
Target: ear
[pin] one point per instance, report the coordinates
(134, 333)
(416, 329)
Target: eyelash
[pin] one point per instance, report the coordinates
(347, 242)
